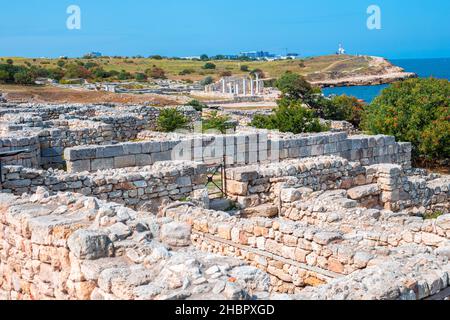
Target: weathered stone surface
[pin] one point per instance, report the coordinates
(264, 210)
(176, 234)
(358, 193)
(90, 245)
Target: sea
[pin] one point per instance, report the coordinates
(424, 68)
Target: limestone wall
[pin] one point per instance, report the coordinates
(383, 185)
(71, 247)
(294, 254)
(149, 186)
(400, 191)
(31, 159)
(240, 149)
(256, 185)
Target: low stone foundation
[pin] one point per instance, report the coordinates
(71, 247)
(146, 186)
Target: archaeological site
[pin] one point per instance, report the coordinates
(95, 204)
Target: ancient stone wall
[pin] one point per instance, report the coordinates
(30, 159)
(71, 247)
(297, 254)
(61, 127)
(383, 185)
(399, 191)
(256, 185)
(148, 186)
(243, 148)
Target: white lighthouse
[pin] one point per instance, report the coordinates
(341, 50)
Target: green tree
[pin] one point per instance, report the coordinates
(197, 105)
(206, 81)
(24, 77)
(341, 108)
(4, 76)
(217, 122)
(140, 77)
(204, 57)
(415, 110)
(209, 66)
(293, 86)
(293, 117)
(170, 119)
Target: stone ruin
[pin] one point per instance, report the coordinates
(102, 207)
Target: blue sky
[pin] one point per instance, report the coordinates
(410, 29)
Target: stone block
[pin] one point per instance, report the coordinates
(102, 164)
(112, 151)
(132, 148)
(79, 166)
(326, 237)
(358, 193)
(161, 156)
(143, 160)
(176, 234)
(237, 188)
(125, 161)
(90, 245)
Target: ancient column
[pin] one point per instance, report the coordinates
(257, 83)
(223, 86)
(244, 86)
(236, 88)
(252, 90)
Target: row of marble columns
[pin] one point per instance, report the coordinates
(234, 87)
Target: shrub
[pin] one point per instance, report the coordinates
(186, 72)
(171, 119)
(24, 77)
(140, 76)
(217, 122)
(206, 81)
(415, 110)
(156, 73)
(4, 76)
(124, 75)
(293, 118)
(209, 66)
(226, 74)
(254, 72)
(340, 108)
(10, 61)
(245, 68)
(197, 105)
(77, 71)
(61, 63)
(156, 57)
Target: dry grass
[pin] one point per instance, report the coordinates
(47, 94)
(272, 69)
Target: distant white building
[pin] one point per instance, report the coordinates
(341, 50)
(94, 55)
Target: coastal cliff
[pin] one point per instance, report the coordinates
(376, 71)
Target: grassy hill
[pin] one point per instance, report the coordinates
(312, 68)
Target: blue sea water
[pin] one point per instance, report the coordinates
(437, 68)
